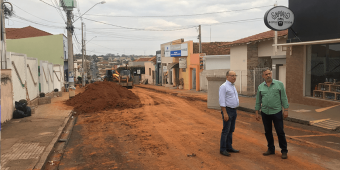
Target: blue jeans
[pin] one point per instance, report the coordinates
(228, 129)
(277, 119)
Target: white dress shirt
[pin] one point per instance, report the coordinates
(228, 96)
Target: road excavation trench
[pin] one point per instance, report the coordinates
(169, 132)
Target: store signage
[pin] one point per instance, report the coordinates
(167, 51)
(182, 62)
(279, 18)
(179, 50)
(159, 58)
(184, 49)
(138, 71)
(165, 68)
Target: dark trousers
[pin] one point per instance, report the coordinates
(228, 129)
(277, 119)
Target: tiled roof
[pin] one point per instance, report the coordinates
(260, 36)
(153, 60)
(213, 48)
(142, 59)
(26, 32)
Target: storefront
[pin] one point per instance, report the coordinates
(313, 54)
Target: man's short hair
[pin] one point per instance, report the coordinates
(227, 73)
(265, 69)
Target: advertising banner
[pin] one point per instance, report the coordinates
(167, 51)
(182, 62)
(184, 49)
(159, 58)
(179, 50)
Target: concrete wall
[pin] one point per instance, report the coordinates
(238, 57)
(217, 62)
(148, 75)
(32, 79)
(50, 76)
(7, 106)
(57, 77)
(19, 60)
(266, 48)
(210, 73)
(44, 77)
(49, 48)
(214, 84)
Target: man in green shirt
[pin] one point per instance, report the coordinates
(272, 95)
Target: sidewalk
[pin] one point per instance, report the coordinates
(26, 142)
(327, 118)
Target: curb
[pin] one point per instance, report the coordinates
(39, 165)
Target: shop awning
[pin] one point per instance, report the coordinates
(288, 45)
(173, 65)
(310, 42)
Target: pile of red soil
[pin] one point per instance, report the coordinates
(105, 95)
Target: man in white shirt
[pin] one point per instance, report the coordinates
(228, 99)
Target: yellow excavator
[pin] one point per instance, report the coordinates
(124, 78)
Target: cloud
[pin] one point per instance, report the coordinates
(206, 21)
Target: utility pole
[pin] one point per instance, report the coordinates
(82, 52)
(200, 38)
(70, 51)
(3, 47)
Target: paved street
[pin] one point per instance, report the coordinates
(169, 132)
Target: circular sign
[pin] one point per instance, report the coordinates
(279, 18)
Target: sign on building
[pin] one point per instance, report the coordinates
(184, 49)
(179, 50)
(138, 71)
(167, 51)
(165, 68)
(159, 58)
(182, 62)
(279, 18)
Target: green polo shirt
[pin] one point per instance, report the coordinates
(272, 98)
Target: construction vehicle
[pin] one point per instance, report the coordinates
(123, 78)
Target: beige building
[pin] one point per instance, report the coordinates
(251, 54)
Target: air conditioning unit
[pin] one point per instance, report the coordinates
(68, 4)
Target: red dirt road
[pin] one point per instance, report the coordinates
(161, 134)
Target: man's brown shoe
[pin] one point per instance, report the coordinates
(284, 155)
(268, 153)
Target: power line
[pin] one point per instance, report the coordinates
(185, 15)
(140, 29)
(58, 10)
(33, 15)
(27, 20)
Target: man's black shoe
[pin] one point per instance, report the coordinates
(284, 155)
(225, 153)
(233, 150)
(268, 153)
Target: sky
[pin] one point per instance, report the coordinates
(139, 27)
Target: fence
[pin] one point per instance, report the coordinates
(248, 81)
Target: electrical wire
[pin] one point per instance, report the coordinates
(27, 20)
(34, 15)
(185, 15)
(140, 29)
(58, 10)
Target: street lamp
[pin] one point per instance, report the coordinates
(103, 2)
(82, 42)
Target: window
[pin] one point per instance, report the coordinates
(149, 71)
(323, 71)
